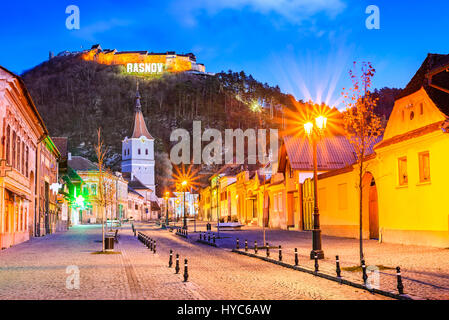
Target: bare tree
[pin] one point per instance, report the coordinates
(362, 125)
(101, 154)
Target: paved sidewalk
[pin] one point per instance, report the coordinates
(425, 270)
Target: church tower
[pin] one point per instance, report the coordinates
(138, 151)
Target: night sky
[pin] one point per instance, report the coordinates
(304, 46)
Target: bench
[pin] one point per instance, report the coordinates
(229, 226)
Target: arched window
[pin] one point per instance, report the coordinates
(13, 144)
(146, 151)
(138, 151)
(8, 145)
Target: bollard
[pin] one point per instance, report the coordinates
(201, 236)
(255, 247)
(399, 278)
(151, 244)
(337, 262)
(170, 260)
(246, 245)
(296, 257)
(364, 275)
(154, 247)
(186, 272)
(208, 237)
(177, 263)
(213, 238)
(316, 263)
(280, 253)
(237, 244)
(268, 250)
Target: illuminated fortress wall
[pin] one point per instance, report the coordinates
(172, 62)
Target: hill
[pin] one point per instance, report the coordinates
(75, 97)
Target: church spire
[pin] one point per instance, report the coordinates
(140, 128)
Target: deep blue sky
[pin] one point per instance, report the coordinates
(304, 46)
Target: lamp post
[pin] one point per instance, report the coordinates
(184, 185)
(167, 196)
(314, 134)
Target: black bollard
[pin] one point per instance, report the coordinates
(154, 247)
(337, 262)
(316, 263)
(280, 253)
(213, 239)
(364, 275)
(177, 263)
(268, 250)
(151, 244)
(200, 235)
(170, 260)
(399, 277)
(255, 247)
(186, 272)
(237, 244)
(208, 237)
(246, 245)
(296, 257)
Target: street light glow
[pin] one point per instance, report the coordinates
(321, 122)
(308, 127)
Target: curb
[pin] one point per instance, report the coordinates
(327, 276)
(207, 243)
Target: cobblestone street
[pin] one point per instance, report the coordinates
(425, 270)
(37, 270)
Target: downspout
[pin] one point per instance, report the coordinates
(36, 188)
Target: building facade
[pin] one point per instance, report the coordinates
(138, 150)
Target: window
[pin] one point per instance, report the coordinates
(421, 108)
(424, 167)
(93, 188)
(403, 176)
(13, 143)
(27, 154)
(290, 172)
(138, 151)
(146, 151)
(412, 115)
(23, 158)
(8, 144)
(19, 167)
(403, 115)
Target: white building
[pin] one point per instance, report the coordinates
(138, 151)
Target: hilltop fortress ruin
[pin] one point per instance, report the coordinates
(143, 61)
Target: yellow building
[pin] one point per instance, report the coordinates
(405, 196)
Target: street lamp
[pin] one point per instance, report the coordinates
(314, 134)
(184, 184)
(167, 196)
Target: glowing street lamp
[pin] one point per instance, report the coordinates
(166, 197)
(316, 232)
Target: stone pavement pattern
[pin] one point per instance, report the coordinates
(425, 270)
(37, 270)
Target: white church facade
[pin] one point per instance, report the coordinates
(138, 151)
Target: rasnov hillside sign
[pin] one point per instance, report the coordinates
(145, 67)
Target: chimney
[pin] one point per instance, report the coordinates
(69, 156)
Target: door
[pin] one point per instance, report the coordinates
(307, 204)
(373, 212)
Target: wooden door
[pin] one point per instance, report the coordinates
(373, 213)
(307, 204)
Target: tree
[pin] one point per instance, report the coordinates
(102, 190)
(362, 125)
